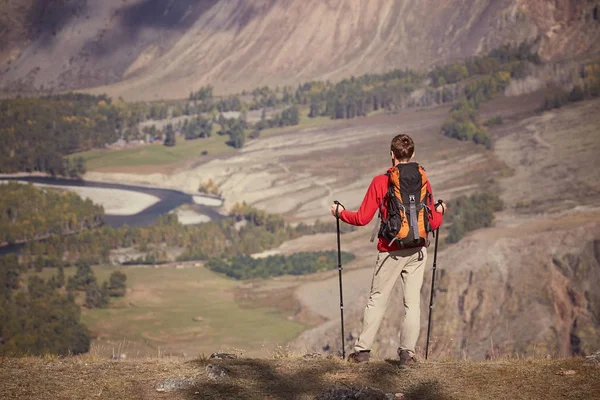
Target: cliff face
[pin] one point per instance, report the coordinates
(531, 294)
(149, 48)
(567, 28)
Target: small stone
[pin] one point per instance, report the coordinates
(198, 319)
(173, 384)
(395, 396)
(215, 372)
(593, 359)
(347, 393)
(312, 355)
(223, 356)
(566, 372)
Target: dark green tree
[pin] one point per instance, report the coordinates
(84, 277)
(60, 278)
(95, 297)
(169, 136)
(117, 285)
(38, 320)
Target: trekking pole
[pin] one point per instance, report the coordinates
(437, 236)
(337, 217)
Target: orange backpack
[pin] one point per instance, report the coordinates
(407, 218)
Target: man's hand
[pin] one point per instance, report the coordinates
(441, 208)
(334, 209)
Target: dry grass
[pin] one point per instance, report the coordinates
(289, 377)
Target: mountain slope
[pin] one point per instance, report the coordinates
(158, 49)
(523, 287)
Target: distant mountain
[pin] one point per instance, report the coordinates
(149, 49)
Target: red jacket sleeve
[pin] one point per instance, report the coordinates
(436, 217)
(372, 201)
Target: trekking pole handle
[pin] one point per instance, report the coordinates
(439, 203)
(338, 204)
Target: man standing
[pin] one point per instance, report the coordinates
(406, 262)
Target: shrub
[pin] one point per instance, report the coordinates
(246, 267)
(470, 213)
(497, 120)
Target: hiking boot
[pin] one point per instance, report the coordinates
(360, 356)
(406, 358)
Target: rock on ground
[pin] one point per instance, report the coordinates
(173, 384)
(593, 359)
(351, 393)
(215, 372)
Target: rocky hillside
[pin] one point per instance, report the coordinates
(146, 49)
(527, 286)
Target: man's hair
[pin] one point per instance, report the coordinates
(403, 147)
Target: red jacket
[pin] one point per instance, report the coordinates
(373, 201)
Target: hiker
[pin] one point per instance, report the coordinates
(402, 250)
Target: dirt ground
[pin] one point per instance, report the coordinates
(285, 376)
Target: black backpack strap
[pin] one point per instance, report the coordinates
(377, 229)
(413, 216)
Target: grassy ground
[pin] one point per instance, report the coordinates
(158, 155)
(157, 315)
(89, 377)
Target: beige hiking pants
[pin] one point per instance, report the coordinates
(408, 264)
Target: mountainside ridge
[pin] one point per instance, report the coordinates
(145, 49)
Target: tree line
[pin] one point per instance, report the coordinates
(484, 77)
(508, 58)
(238, 129)
(40, 316)
(358, 96)
(84, 280)
(588, 89)
(245, 267)
(37, 317)
(246, 231)
(28, 213)
(37, 133)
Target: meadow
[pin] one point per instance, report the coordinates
(183, 311)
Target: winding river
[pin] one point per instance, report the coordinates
(168, 200)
